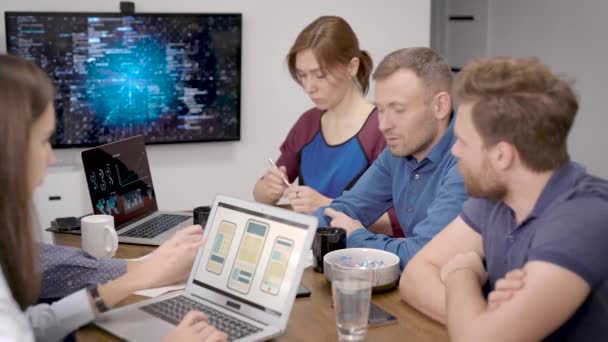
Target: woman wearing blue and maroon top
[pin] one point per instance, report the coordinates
(331, 145)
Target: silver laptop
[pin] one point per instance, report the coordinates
(245, 278)
(120, 184)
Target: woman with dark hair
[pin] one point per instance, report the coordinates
(27, 122)
(332, 144)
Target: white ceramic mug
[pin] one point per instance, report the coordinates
(98, 235)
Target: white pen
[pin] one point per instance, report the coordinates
(276, 167)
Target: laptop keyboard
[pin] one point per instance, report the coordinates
(174, 309)
(155, 226)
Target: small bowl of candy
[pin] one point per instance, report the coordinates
(385, 265)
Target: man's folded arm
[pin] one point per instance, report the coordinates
(420, 284)
(550, 296)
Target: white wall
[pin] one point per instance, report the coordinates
(570, 36)
(188, 175)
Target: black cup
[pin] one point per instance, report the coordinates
(327, 239)
(200, 215)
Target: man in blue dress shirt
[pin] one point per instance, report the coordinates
(416, 174)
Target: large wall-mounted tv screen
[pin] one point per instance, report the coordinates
(170, 77)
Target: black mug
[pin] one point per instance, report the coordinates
(327, 239)
(200, 215)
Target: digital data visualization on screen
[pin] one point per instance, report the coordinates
(169, 77)
(119, 180)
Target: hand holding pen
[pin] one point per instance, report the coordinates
(275, 181)
(282, 171)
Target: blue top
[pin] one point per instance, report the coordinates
(568, 228)
(322, 165)
(427, 195)
(307, 156)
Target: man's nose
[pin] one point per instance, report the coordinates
(384, 123)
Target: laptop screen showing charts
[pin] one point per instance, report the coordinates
(251, 257)
(119, 180)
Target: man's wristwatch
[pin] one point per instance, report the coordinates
(99, 303)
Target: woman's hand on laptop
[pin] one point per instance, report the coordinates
(194, 327)
(171, 262)
(168, 264)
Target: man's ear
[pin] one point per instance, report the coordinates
(442, 105)
(503, 155)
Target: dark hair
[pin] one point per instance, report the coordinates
(25, 93)
(334, 44)
(427, 64)
(520, 101)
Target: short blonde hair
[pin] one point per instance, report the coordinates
(427, 64)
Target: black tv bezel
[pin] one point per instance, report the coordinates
(239, 15)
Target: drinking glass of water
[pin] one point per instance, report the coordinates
(351, 291)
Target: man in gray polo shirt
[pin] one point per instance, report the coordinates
(531, 208)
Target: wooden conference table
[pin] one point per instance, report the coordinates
(312, 318)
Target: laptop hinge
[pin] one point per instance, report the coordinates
(135, 220)
(230, 308)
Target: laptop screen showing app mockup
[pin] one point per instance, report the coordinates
(245, 277)
(119, 180)
(252, 257)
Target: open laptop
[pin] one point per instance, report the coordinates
(120, 184)
(245, 278)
